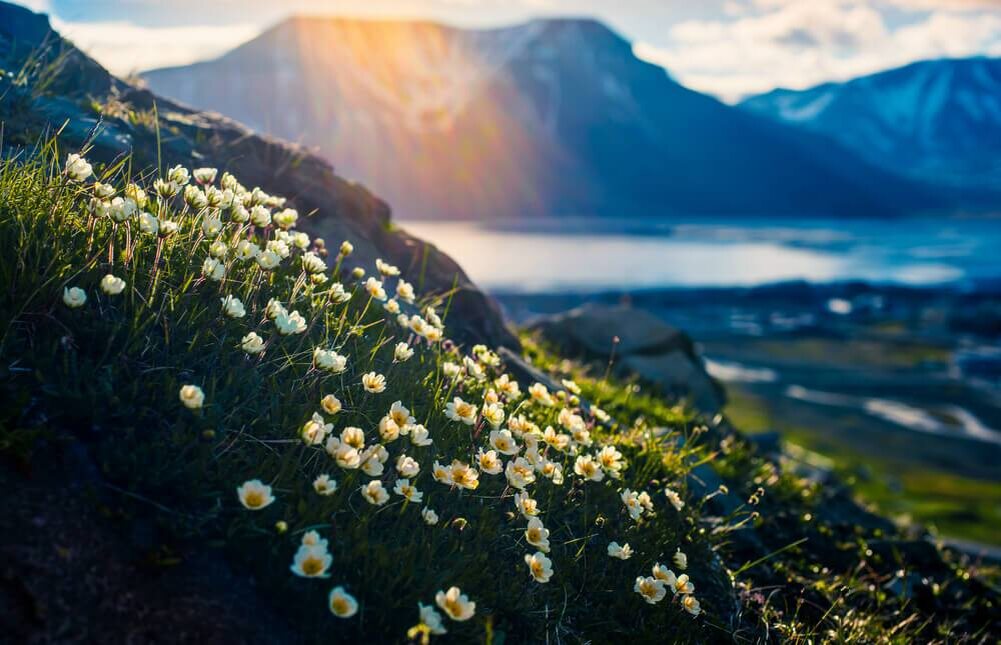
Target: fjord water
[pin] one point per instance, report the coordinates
(584, 255)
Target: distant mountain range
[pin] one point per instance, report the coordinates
(938, 121)
(548, 118)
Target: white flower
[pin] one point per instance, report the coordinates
(74, 297)
(539, 566)
(168, 227)
(404, 489)
(441, 473)
(341, 603)
(463, 475)
(148, 224)
(402, 353)
(312, 561)
(430, 517)
(680, 560)
(260, 216)
(329, 361)
(218, 249)
(267, 259)
(374, 493)
(286, 218)
(122, 208)
(405, 291)
(330, 404)
(691, 605)
(312, 538)
(489, 462)
(508, 387)
(192, 396)
(455, 604)
(459, 410)
(494, 415)
(232, 307)
(632, 503)
(519, 473)
(204, 175)
(391, 306)
(674, 498)
(337, 293)
(611, 460)
(502, 441)
(373, 383)
(213, 269)
(165, 189)
(400, 414)
(344, 455)
(252, 343)
(623, 552)
(254, 495)
(431, 618)
(77, 167)
(178, 175)
(449, 369)
(540, 394)
(374, 289)
(195, 198)
(386, 269)
(354, 437)
(420, 436)
(588, 468)
(389, 430)
(324, 485)
(239, 213)
(112, 285)
(537, 535)
(651, 589)
(407, 466)
(315, 430)
(274, 308)
(313, 263)
(290, 323)
(526, 505)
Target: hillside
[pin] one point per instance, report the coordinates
(219, 427)
(938, 121)
(552, 117)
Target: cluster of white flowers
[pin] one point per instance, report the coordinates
(517, 443)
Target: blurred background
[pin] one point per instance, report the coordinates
(810, 189)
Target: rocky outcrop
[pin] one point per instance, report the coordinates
(70, 94)
(636, 343)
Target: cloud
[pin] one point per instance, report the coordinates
(798, 44)
(125, 47)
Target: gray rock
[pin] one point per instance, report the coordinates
(646, 347)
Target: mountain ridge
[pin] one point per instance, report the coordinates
(546, 118)
(937, 120)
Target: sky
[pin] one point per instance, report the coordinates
(728, 48)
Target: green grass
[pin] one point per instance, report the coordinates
(953, 505)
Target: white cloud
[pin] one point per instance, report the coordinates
(125, 47)
(798, 44)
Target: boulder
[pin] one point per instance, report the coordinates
(638, 343)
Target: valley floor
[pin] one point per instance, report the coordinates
(895, 389)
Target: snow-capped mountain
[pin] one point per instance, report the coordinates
(935, 120)
(551, 117)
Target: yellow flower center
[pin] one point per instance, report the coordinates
(253, 499)
(312, 566)
(340, 606)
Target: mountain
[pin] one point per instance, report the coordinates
(936, 120)
(58, 89)
(550, 117)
